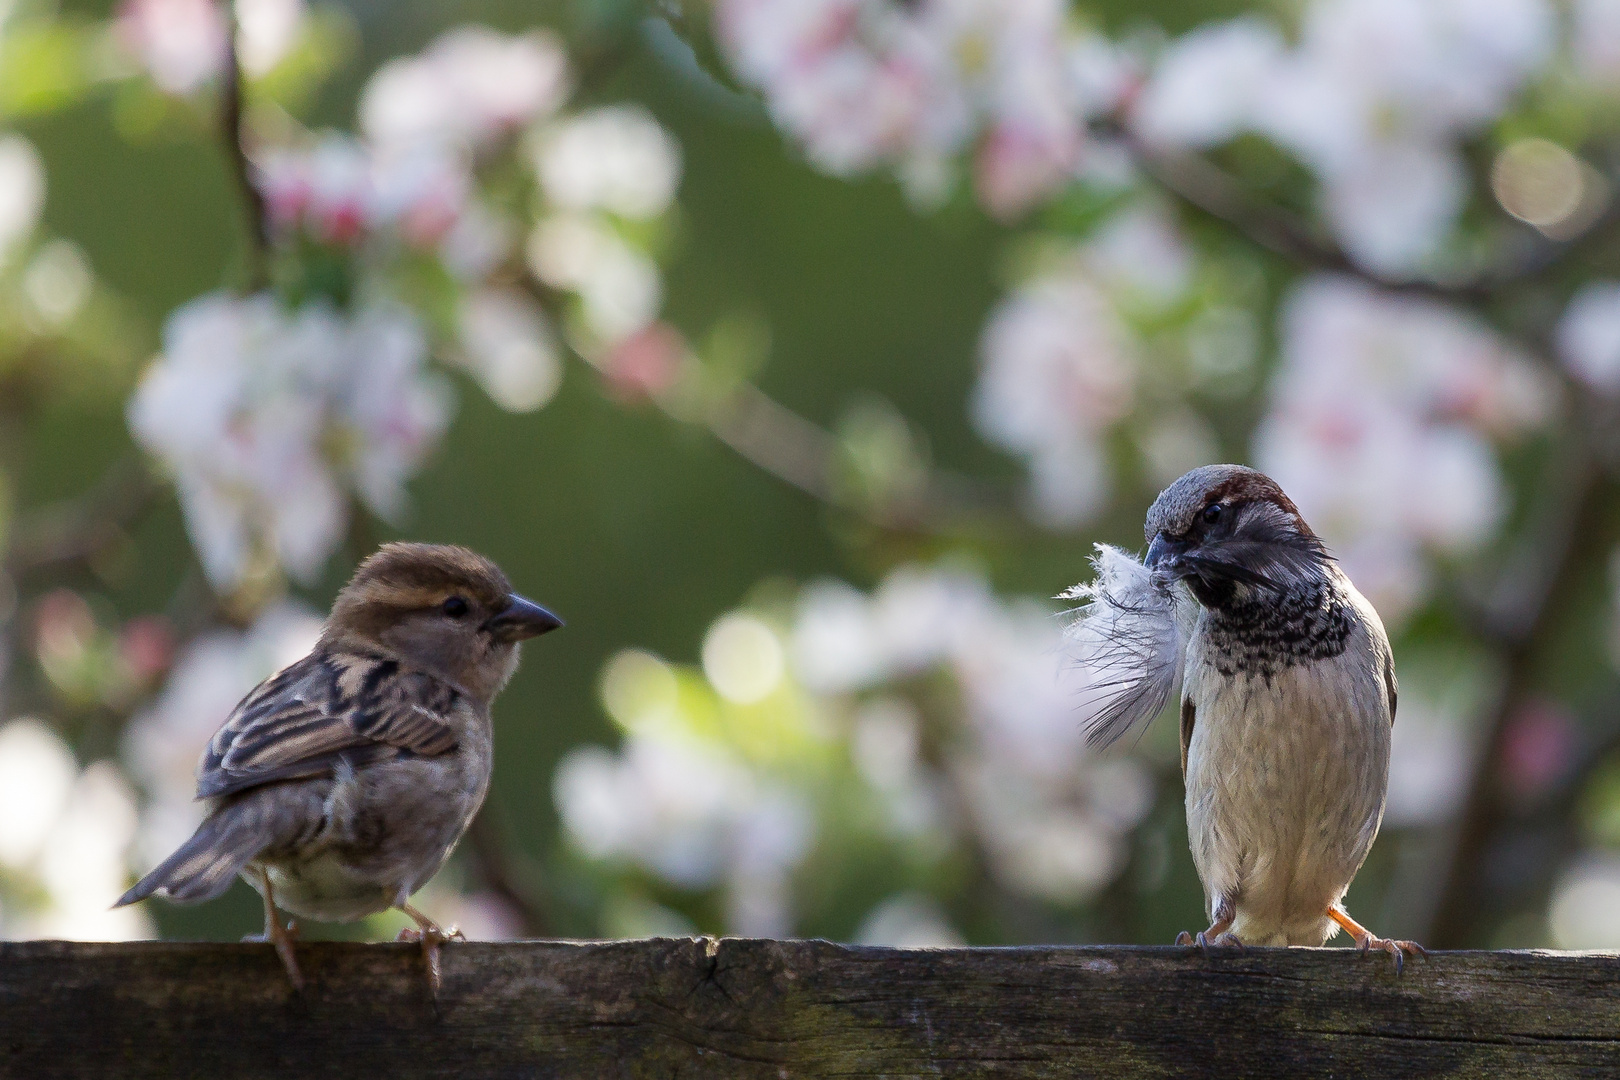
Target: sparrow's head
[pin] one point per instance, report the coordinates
(1229, 531)
(441, 609)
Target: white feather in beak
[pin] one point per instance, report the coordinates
(1131, 638)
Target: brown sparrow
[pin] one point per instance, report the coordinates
(340, 784)
(1287, 700)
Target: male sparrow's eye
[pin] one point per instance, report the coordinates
(455, 607)
(1212, 513)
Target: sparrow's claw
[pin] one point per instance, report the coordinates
(1205, 941)
(431, 935)
(1396, 948)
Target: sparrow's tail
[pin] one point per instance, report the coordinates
(206, 864)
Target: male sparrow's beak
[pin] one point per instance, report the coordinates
(520, 618)
(1165, 553)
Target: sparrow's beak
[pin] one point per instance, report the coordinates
(1163, 553)
(520, 618)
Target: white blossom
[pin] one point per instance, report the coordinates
(1052, 817)
(469, 87)
(22, 191)
(508, 345)
(1595, 39)
(693, 813)
(1057, 369)
(64, 840)
(619, 286)
(1584, 901)
(1379, 429)
(909, 921)
(267, 416)
(267, 30)
(869, 83)
(1589, 336)
(615, 158)
(1373, 100)
(181, 43)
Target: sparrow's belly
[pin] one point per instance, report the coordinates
(1285, 792)
(384, 832)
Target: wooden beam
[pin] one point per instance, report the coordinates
(773, 1009)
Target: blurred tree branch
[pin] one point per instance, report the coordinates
(806, 456)
(233, 93)
(1542, 593)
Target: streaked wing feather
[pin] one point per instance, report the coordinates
(302, 721)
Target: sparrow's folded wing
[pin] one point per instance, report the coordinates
(322, 710)
(1189, 717)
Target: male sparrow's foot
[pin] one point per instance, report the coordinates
(431, 935)
(1366, 940)
(1205, 941)
(1399, 949)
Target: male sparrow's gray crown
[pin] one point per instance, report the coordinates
(1222, 527)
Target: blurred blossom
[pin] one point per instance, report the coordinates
(1209, 86)
(1057, 369)
(742, 658)
(469, 87)
(180, 43)
(37, 771)
(1373, 99)
(1584, 903)
(867, 83)
(885, 748)
(908, 921)
(1595, 38)
(615, 158)
(1381, 413)
(507, 344)
(1052, 819)
(64, 835)
(646, 363)
(22, 190)
(1435, 743)
(694, 814)
(1538, 749)
(266, 416)
(58, 281)
(1589, 336)
(163, 743)
(338, 191)
(267, 30)
(1139, 253)
(1182, 440)
(619, 287)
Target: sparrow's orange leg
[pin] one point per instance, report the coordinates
(1219, 932)
(1366, 939)
(280, 936)
(431, 935)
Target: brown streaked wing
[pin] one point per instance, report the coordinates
(300, 722)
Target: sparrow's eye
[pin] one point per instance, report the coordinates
(1212, 513)
(455, 607)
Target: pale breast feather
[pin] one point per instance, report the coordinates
(323, 710)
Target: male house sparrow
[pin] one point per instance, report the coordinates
(340, 784)
(1287, 700)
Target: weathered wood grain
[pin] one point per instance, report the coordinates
(772, 1009)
